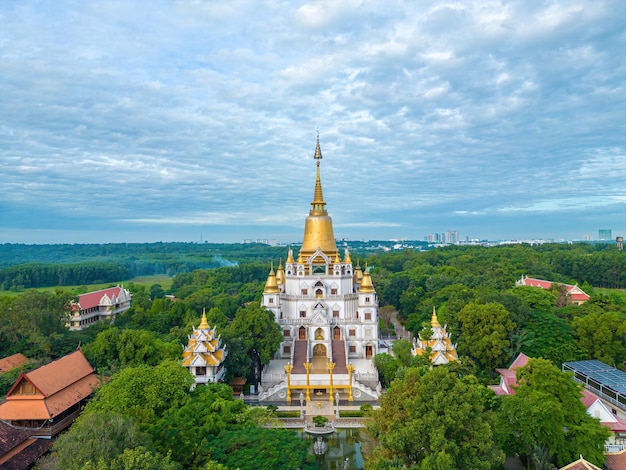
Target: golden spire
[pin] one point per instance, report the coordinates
(271, 286)
(366, 283)
(280, 274)
(318, 228)
(347, 259)
(204, 325)
(290, 257)
(434, 322)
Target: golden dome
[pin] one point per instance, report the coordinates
(318, 227)
(271, 286)
(366, 283)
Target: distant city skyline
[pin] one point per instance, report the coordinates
(186, 121)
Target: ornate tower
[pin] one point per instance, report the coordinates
(328, 313)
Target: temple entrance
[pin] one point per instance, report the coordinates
(302, 333)
(336, 333)
(319, 350)
(368, 351)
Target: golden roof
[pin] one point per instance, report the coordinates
(347, 259)
(318, 227)
(280, 274)
(204, 325)
(271, 286)
(366, 283)
(290, 257)
(434, 321)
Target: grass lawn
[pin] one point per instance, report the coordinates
(164, 280)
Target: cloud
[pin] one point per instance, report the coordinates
(144, 117)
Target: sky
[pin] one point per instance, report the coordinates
(196, 120)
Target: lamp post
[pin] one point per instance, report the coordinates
(350, 371)
(331, 366)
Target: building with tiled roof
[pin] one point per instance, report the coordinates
(19, 451)
(575, 294)
(615, 460)
(46, 400)
(594, 405)
(99, 305)
(580, 464)
(204, 355)
(442, 351)
(12, 362)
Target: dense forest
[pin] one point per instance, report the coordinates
(472, 288)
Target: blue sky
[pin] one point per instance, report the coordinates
(185, 120)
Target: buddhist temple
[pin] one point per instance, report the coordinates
(328, 313)
(204, 355)
(442, 350)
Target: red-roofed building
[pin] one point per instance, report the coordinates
(46, 400)
(19, 451)
(595, 407)
(100, 305)
(615, 460)
(574, 293)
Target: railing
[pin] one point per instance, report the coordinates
(614, 447)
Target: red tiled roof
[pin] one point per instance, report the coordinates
(92, 299)
(529, 281)
(615, 461)
(61, 384)
(580, 464)
(11, 362)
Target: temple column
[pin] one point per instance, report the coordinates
(288, 369)
(350, 368)
(307, 366)
(331, 366)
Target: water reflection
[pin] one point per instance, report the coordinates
(332, 450)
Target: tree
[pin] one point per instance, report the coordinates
(402, 350)
(603, 336)
(264, 448)
(255, 333)
(546, 421)
(95, 437)
(485, 332)
(431, 419)
(143, 392)
(387, 366)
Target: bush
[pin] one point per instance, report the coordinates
(351, 413)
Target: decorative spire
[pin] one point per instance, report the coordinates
(347, 259)
(271, 286)
(366, 283)
(204, 325)
(318, 204)
(434, 322)
(290, 257)
(280, 273)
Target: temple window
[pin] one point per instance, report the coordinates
(352, 332)
(333, 291)
(287, 349)
(304, 291)
(352, 348)
(367, 299)
(271, 301)
(319, 294)
(368, 316)
(302, 313)
(286, 333)
(335, 313)
(200, 371)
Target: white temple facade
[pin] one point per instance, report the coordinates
(328, 312)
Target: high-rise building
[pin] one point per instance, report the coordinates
(327, 309)
(605, 234)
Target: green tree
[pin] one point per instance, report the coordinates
(545, 420)
(431, 419)
(485, 333)
(264, 448)
(143, 392)
(95, 437)
(603, 336)
(387, 366)
(255, 333)
(402, 350)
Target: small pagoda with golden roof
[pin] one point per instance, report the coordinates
(441, 348)
(204, 355)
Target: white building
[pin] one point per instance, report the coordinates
(328, 311)
(99, 305)
(204, 355)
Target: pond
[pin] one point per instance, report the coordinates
(337, 451)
